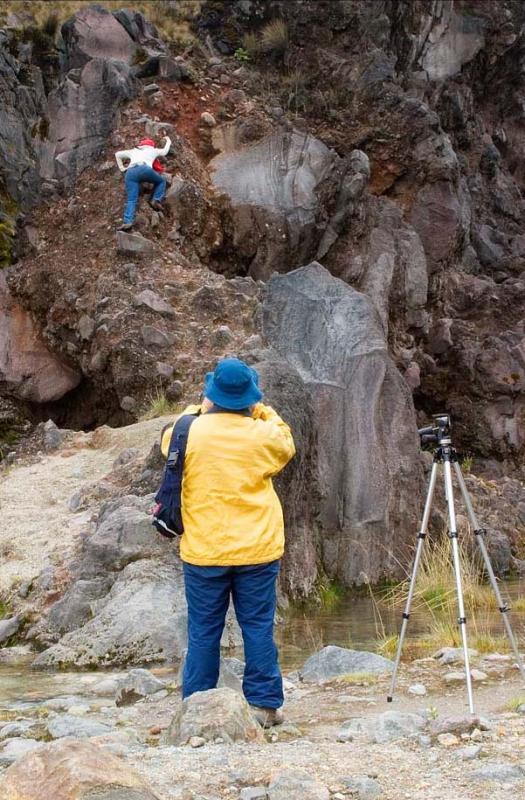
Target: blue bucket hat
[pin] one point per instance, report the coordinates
(233, 385)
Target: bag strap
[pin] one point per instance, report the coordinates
(179, 441)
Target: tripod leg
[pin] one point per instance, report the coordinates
(406, 613)
(453, 535)
(478, 532)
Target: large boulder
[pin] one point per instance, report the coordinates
(216, 713)
(437, 216)
(279, 189)
(94, 32)
(28, 370)
(68, 769)
(367, 467)
(333, 662)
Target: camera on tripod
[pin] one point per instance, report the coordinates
(445, 456)
(437, 432)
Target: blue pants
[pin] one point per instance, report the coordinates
(133, 178)
(252, 589)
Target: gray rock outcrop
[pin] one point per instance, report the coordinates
(8, 628)
(280, 189)
(126, 602)
(367, 462)
(82, 111)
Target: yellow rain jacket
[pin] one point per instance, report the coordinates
(231, 513)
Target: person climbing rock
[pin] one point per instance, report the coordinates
(140, 169)
(233, 536)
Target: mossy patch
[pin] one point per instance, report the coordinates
(40, 129)
(8, 212)
(7, 233)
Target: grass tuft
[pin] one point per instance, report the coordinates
(274, 37)
(158, 405)
(515, 702)
(386, 645)
(359, 678)
(251, 44)
(330, 593)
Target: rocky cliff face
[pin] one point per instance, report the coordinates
(382, 141)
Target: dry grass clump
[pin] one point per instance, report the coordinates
(271, 40)
(274, 37)
(515, 702)
(158, 405)
(251, 44)
(359, 678)
(435, 596)
(435, 586)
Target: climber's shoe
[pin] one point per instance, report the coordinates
(126, 226)
(156, 205)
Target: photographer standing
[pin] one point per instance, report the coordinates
(233, 532)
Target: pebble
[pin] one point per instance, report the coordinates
(478, 675)
(469, 753)
(197, 741)
(502, 773)
(208, 119)
(447, 739)
(454, 677)
(418, 689)
(496, 657)
(253, 793)
(363, 787)
(79, 710)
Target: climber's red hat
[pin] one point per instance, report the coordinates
(150, 142)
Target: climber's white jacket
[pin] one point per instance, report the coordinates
(144, 154)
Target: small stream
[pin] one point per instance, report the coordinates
(355, 622)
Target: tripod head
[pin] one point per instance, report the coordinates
(439, 433)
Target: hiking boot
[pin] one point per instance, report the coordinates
(156, 205)
(126, 226)
(268, 717)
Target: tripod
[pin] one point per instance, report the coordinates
(446, 455)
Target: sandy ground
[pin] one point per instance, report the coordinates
(36, 524)
(405, 769)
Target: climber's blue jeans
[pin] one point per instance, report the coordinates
(133, 178)
(252, 589)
